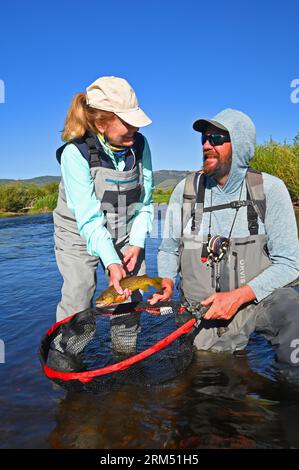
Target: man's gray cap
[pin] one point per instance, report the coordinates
(200, 125)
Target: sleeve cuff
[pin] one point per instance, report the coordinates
(135, 241)
(259, 293)
(108, 255)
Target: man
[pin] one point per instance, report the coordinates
(235, 245)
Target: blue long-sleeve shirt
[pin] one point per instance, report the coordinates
(280, 228)
(84, 204)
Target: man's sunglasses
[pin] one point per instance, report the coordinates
(215, 139)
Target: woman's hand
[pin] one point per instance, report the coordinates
(224, 305)
(117, 273)
(167, 287)
(131, 256)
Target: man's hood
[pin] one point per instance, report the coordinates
(243, 138)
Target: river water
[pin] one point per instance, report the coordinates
(221, 401)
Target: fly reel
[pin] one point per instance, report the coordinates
(217, 247)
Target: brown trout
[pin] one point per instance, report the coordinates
(132, 283)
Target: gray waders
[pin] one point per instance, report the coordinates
(119, 193)
(276, 317)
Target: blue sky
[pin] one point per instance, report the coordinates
(184, 60)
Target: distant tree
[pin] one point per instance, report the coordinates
(296, 140)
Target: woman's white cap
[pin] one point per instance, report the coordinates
(114, 94)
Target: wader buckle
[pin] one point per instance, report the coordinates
(238, 204)
(197, 310)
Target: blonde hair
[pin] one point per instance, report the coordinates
(81, 118)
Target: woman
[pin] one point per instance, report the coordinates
(104, 208)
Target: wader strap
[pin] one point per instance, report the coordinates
(189, 197)
(190, 189)
(193, 201)
(138, 146)
(252, 216)
(254, 181)
(199, 206)
(130, 161)
(93, 150)
(88, 153)
(140, 172)
(59, 152)
(229, 205)
(200, 198)
(253, 225)
(136, 153)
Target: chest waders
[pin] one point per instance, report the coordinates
(119, 193)
(275, 317)
(241, 259)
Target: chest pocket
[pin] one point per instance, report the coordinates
(247, 258)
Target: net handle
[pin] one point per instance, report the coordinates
(129, 306)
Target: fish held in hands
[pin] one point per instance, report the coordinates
(111, 296)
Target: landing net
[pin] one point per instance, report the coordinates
(102, 349)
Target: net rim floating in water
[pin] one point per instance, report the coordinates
(89, 375)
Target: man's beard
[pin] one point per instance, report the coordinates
(218, 171)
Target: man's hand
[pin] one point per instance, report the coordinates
(167, 287)
(224, 305)
(117, 273)
(130, 257)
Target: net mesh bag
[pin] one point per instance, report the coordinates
(132, 344)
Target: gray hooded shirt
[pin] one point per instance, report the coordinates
(280, 223)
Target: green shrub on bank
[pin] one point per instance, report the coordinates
(162, 196)
(45, 204)
(281, 161)
(13, 197)
(50, 188)
(20, 197)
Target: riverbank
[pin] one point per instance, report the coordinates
(7, 214)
